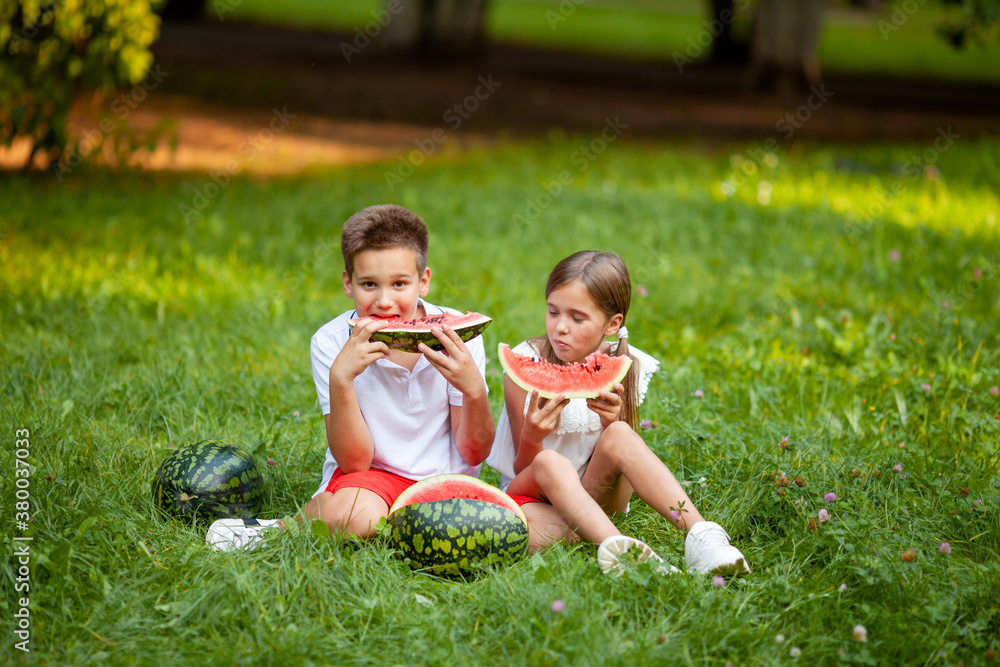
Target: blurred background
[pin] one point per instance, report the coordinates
(360, 74)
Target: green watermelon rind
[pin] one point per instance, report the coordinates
(407, 340)
(506, 356)
(222, 481)
(457, 536)
(455, 486)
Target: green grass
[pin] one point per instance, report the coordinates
(128, 331)
(852, 41)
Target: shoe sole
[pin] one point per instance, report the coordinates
(609, 561)
(222, 537)
(737, 569)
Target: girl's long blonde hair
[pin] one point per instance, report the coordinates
(606, 279)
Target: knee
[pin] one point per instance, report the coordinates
(551, 466)
(619, 441)
(351, 518)
(361, 524)
(358, 522)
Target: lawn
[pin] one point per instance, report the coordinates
(787, 296)
(904, 44)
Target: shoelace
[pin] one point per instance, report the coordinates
(713, 535)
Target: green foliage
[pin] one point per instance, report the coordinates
(971, 20)
(797, 308)
(53, 49)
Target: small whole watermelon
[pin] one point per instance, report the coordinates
(209, 480)
(453, 525)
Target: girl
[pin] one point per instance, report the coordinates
(570, 463)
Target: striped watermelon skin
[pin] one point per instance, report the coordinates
(406, 335)
(209, 480)
(457, 536)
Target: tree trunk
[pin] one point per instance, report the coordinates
(449, 27)
(785, 41)
(726, 50)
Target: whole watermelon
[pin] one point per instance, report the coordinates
(209, 480)
(456, 536)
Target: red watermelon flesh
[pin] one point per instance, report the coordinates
(406, 335)
(598, 372)
(446, 487)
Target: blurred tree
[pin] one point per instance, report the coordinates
(783, 50)
(52, 49)
(726, 49)
(970, 20)
(434, 26)
(786, 34)
(184, 10)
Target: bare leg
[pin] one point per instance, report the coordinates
(545, 526)
(352, 510)
(620, 452)
(552, 477)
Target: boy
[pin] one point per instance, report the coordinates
(392, 418)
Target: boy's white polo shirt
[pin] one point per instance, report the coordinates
(407, 412)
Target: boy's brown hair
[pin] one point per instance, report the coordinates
(380, 227)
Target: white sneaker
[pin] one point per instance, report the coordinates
(707, 551)
(613, 548)
(245, 534)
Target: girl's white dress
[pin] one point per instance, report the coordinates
(579, 427)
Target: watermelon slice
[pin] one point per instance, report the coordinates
(405, 335)
(599, 372)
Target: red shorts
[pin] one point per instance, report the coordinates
(385, 484)
(524, 500)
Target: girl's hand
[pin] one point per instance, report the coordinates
(542, 418)
(608, 405)
(359, 352)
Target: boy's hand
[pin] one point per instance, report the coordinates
(542, 418)
(608, 405)
(455, 363)
(359, 352)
